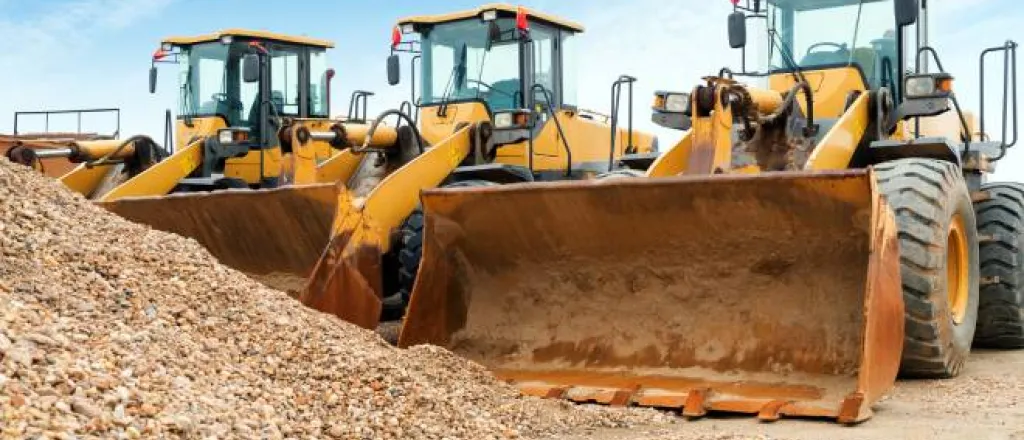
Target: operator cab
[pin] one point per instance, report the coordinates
(822, 34)
(235, 89)
(212, 83)
(490, 55)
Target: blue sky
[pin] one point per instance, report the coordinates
(95, 53)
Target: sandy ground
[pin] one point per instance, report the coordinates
(985, 403)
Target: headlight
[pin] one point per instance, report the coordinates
(408, 28)
(512, 118)
(226, 39)
(489, 15)
(928, 86)
(671, 102)
(503, 120)
(225, 137)
(923, 86)
(677, 102)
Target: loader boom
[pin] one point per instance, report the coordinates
(494, 110)
(346, 280)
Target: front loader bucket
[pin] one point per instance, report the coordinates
(274, 235)
(774, 294)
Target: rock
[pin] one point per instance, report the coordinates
(183, 424)
(180, 382)
(40, 339)
(17, 400)
(85, 407)
(5, 344)
(20, 355)
(119, 415)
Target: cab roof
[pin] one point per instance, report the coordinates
(810, 5)
(247, 33)
(503, 9)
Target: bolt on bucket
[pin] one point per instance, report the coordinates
(273, 235)
(774, 294)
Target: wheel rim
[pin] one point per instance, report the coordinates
(957, 273)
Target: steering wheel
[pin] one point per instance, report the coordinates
(221, 97)
(490, 88)
(840, 47)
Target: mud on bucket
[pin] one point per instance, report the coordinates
(774, 294)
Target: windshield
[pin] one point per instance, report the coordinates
(211, 83)
(830, 33)
(458, 63)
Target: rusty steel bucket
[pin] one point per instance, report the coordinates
(273, 235)
(773, 294)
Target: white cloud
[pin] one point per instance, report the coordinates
(59, 32)
(51, 60)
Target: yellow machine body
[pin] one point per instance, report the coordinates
(348, 280)
(766, 292)
(755, 267)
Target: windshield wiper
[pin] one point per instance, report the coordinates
(187, 102)
(449, 88)
(786, 56)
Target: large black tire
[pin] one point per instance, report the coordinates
(928, 198)
(1001, 311)
(407, 251)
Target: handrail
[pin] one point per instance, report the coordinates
(616, 102)
(353, 105)
(551, 112)
(1009, 50)
(77, 112)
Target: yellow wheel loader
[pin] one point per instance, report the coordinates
(255, 169)
(803, 242)
(496, 106)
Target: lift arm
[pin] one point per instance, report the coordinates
(347, 280)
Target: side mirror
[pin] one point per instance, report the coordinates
(906, 12)
(152, 79)
(737, 30)
(394, 70)
(251, 68)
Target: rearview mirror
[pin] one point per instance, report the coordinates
(251, 68)
(906, 12)
(394, 70)
(737, 30)
(152, 79)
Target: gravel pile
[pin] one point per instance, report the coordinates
(111, 330)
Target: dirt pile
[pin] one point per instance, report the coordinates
(109, 329)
